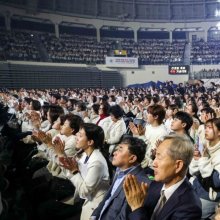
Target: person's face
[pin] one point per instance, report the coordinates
(205, 116)
(69, 104)
(177, 124)
(146, 102)
(101, 110)
(189, 109)
(82, 141)
(48, 116)
(31, 106)
(78, 109)
(66, 129)
(53, 100)
(165, 168)
(28, 106)
(150, 118)
(213, 103)
(211, 132)
(122, 158)
(113, 118)
(56, 124)
(169, 112)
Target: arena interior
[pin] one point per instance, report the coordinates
(109, 109)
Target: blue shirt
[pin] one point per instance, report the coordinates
(119, 177)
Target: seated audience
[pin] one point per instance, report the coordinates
(127, 158)
(170, 196)
(205, 168)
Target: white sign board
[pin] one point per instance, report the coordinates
(124, 62)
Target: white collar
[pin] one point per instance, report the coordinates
(168, 192)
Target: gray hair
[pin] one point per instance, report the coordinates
(181, 148)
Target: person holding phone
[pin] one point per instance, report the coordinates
(205, 169)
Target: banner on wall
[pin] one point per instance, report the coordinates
(123, 62)
(179, 70)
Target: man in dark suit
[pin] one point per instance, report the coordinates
(127, 159)
(171, 196)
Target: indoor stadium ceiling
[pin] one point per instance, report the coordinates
(128, 10)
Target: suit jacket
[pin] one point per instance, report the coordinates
(117, 207)
(91, 183)
(182, 205)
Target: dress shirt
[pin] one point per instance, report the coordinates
(119, 177)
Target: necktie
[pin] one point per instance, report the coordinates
(159, 205)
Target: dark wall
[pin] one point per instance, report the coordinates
(2, 22)
(179, 35)
(116, 34)
(35, 76)
(153, 35)
(30, 25)
(77, 30)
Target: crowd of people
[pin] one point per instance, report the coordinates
(16, 45)
(205, 52)
(20, 45)
(87, 50)
(110, 153)
(210, 74)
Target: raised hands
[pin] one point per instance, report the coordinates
(35, 136)
(135, 192)
(59, 147)
(205, 152)
(141, 129)
(69, 163)
(46, 138)
(133, 128)
(136, 130)
(35, 119)
(154, 150)
(197, 153)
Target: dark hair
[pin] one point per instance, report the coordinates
(173, 107)
(155, 99)
(56, 95)
(62, 119)
(95, 108)
(148, 98)
(194, 108)
(54, 112)
(94, 99)
(75, 122)
(209, 110)
(81, 105)
(215, 121)
(36, 105)
(106, 108)
(105, 98)
(28, 100)
(136, 146)
(186, 118)
(116, 111)
(44, 110)
(113, 98)
(95, 133)
(157, 110)
(64, 98)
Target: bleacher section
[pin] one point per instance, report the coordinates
(41, 76)
(31, 46)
